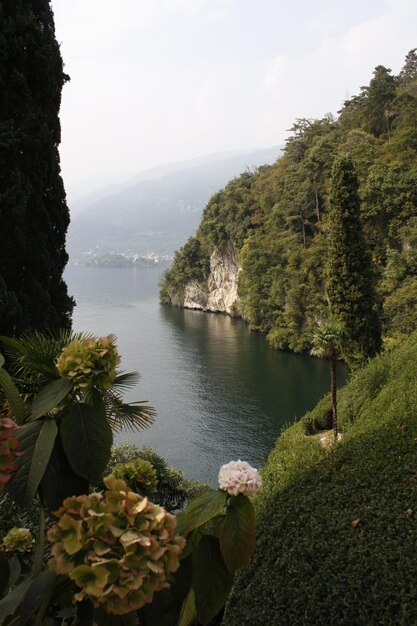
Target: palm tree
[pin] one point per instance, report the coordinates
(328, 342)
(32, 360)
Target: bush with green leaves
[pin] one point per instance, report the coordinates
(116, 557)
(140, 475)
(336, 529)
(320, 418)
(172, 491)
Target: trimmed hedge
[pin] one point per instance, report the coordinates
(337, 531)
(320, 418)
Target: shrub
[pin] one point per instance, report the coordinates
(337, 531)
(173, 491)
(320, 418)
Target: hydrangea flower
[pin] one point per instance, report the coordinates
(8, 450)
(239, 477)
(138, 474)
(89, 362)
(117, 547)
(18, 540)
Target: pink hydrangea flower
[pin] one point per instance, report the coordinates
(239, 477)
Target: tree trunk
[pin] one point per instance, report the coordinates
(333, 384)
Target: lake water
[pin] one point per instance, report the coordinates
(219, 391)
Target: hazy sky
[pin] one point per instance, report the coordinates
(156, 81)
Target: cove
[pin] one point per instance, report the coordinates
(220, 392)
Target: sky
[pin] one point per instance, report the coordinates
(160, 81)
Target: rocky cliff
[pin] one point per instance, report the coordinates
(219, 294)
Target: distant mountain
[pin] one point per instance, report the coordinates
(158, 209)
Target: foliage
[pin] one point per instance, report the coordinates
(116, 557)
(33, 293)
(190, 263)
(349, 281)
(336, 529)
(320, 418)
(117, 547)
(277, 218)
(173, 491)
(34, 358)
(140, 475)
(329, 341)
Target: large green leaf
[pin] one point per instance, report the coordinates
(37, 596)
(192, 541)
(188, 611)
(41, 456)
(9, 604)
(18, 486)
(2, 361)
(87, 439)
(50, 397)
(36, 444)
(204, 508)
(212, 581)
(238, 535)
(15, 570)
(12, 395)
(4, 572)
(162, 610)
(59, 480)
(106, 619)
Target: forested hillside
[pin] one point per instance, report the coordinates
(277, 216)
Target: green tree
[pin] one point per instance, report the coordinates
(328, 341)
(349, 280)
(408, 75)
(380, 94)
(33, 212)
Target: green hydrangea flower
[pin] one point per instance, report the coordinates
(89, 362)
(18, 540)
(117, 547)
(138, 474)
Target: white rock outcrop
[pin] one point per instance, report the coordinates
(220, 294)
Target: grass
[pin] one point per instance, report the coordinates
(337, 531)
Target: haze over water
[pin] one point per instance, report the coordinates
(219, 391)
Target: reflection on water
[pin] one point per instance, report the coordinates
(220, 393)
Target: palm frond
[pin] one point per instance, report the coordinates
(34, 353)
(328, 339)
(125, 380)
(127, 415)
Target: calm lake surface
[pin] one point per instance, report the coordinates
(219, 391)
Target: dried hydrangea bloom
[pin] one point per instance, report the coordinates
(8, 450)
(89, 362)
(239, 477)
(18, 540)
(139, 474)
(117, 547)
